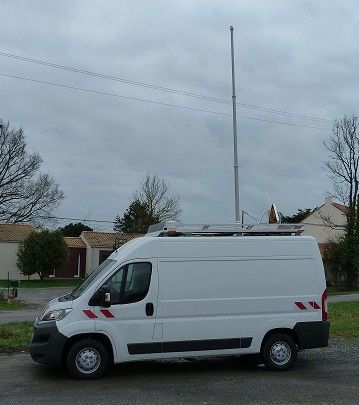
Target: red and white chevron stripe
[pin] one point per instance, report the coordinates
(105, 312)
(305, 306)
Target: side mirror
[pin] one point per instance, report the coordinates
(102, 297)
(105, 296)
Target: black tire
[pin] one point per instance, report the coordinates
(279, 352)
(87, 359)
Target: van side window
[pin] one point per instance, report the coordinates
(130, 283)
(115, 284)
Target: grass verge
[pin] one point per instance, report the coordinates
(45, 283)
(15, 336)
(344, 319)
(12, 305)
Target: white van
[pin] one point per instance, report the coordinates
(191, 292)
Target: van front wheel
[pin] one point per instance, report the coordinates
(87, 359)
(279, 352)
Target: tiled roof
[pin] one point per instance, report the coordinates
(341, 207)
(106, 239)
(74, 242)
(15, 232)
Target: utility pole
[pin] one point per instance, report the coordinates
(234, 102)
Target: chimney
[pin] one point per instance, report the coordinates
(328, 200)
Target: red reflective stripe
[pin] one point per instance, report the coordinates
(89, 313)
(314, 305)
(300, 305)
(107, 313)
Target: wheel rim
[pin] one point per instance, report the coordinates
(280, 353)
(88, 360)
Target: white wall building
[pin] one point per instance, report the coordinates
(99, 246)
(10, 237)
(85, 252)
(326, 223)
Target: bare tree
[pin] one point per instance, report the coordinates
(25, 194)
(342, 168)
(154, 193)
(343, 164)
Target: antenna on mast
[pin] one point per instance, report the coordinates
(235, 147)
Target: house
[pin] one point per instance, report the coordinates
(99, 246)
(10, 237)
(86, 252)
(76, 263)
(326, 223)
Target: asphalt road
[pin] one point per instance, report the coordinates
(320, 376)
(36, 298)
(343, 298)
(41, 295)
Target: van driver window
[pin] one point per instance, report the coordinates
(130, 283)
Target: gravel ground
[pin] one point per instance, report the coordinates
(321, 376)
(340, 350)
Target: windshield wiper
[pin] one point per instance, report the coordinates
(66, 297)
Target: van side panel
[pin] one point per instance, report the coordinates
(283, 292)
(193, 293)
(198, 308)
(261, 284)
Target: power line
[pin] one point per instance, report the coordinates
(114, 78)
(77, 219)
(325, 225)
(112, 222)
(161, 88)
(155, 102)
(104, 93)
(286, 113)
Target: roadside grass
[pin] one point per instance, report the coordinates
(15, 336)
(4, 305)
(45, 283)
(344, 319)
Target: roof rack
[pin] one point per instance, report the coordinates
(169, 228)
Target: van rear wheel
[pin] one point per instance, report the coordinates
(87, 359)
(279, 352)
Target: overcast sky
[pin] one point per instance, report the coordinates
(295, 56)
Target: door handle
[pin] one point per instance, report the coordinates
(149, 309)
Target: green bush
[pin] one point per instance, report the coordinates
(42, 253)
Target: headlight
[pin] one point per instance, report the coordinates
(56, 315)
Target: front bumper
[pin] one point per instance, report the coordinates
(47, 343)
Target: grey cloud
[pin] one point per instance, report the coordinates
(298, 56)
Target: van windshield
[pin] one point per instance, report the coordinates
(91, 278)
